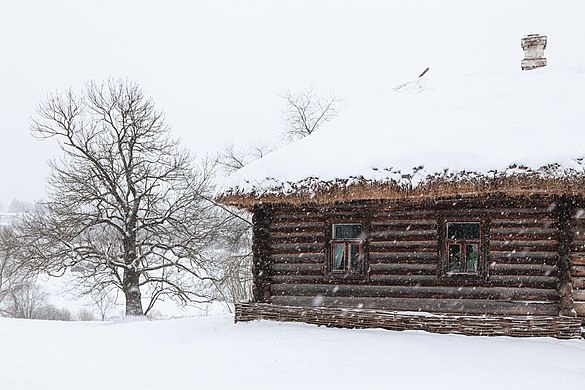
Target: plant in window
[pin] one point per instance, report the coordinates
(463, 243)
(346, 247)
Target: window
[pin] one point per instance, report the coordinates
(347, 248)
(462, 251)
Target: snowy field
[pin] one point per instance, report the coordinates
(214, 353)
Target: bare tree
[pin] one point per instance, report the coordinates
(53, 313)
(26, 301)
(12, 277)
(306, 112)
(127, 209)
(232, 158)
(19, 206)
(85, 315)
(104, 301)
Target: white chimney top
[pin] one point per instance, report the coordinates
(533, 46)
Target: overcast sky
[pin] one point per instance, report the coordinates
(217, 67)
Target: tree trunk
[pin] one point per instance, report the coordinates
(132, 294)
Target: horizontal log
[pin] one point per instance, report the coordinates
(379, 245)
(295, 226)
(341, 211)
(524, 245)
(298, 258)
(527, 294)
(297, 269)
(381, 258)
(524, 222)
(533, 255)
(409, 250)
(314, 239)
(399, 268)
(497, 210)
(377, 256)
(297, 279)
(459, 306)
(401, 272)
(297, 248)
(578, 295)
(404, 214)
(578, 282)
(523, 269)
(524, 237)
(295, 215)
(407, 280)
(578, 271)
(299, 233)
(539, 243)
(403, 234)
(578, 233)
(403, 224)
(523, 280)
(553, 247)
(524, 230)
(524, 260)
(533, 212)
(578, 247)
(577, 258)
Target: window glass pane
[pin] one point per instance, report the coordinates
(338, 255)
(463, 230)
(354, 256)
(454, 258)
(471, 257)
(347, 230)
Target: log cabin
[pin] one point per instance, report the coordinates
(452, 204)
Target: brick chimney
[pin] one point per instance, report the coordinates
(533, 46)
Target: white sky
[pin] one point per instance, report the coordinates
(217, 67)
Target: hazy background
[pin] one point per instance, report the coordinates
(217, 67)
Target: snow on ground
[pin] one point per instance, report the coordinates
(213, 352)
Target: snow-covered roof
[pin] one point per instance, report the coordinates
(480, 122)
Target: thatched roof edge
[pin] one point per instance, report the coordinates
(314, 192)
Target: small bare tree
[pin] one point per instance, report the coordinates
(232, 158)
(26, 301)
(12, 277)
(127, 209)
(306, 112)
(18, 206)
(104, 301)
(233, 255)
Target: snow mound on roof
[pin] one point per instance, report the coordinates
(479, 122)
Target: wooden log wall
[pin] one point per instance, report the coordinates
(528, 326)
(402, 266)
(261, 219)
(576, 288)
